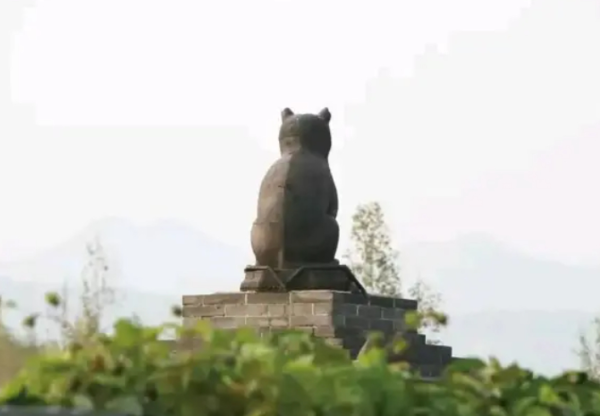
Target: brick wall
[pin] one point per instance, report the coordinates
(341, 318)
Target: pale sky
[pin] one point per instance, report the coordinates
(461, 116)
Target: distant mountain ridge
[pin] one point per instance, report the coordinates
(164, 257)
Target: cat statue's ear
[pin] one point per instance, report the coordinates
(325, 114)
(286, 113)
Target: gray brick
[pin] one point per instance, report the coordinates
(406, 304)
(267, 322)
(323, 308)
(350, 298)
(246, 310)
(393, 313)
(338, 320)
(346, 332)
(278, 310)
(312, 296)
(268, 298)
(325, 331)
(346, 309)
(357, 322)
(258, 322)
(228, 322)
(225, 299)
(279, 322)
(400, 325)
(371, 312)
(310, 320)
(382, 325)
(384, 301)
(302, 309)
(201, 311)
(192, 300)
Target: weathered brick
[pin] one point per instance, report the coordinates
(312, 296)
(267, 322)
(226, 322)
(279, 322)
(344, 332)
(371, 312)
(268, 298)
(357, 322)
(406, 304)
(302, 309)
(400, 325)
(325, 331)
(350, 298)
(192, 300)
(258, 322)
(382, 325)
(384, 301)
(346, 309)
(246, 310)
(278, 310)
(225, 299)
(201, 311)
(323, 308)
(338, 320)
(392, 313)
(310, 320)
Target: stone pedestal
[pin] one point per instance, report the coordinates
(343, 318)
(330, 276)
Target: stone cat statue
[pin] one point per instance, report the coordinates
(297, 204)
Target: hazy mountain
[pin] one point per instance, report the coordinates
(501, 301)
(166, 257)
(477, 273)
(542, 340)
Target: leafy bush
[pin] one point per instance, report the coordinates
(238, 373)
(287, 374)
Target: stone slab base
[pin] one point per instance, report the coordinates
(334, 276)
(342, 318)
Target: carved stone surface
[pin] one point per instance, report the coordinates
(331, 276)
(297, 203)
(342, 318)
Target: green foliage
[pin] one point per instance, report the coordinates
(239, 373)
(375, 263)
(371, 255)
(97, 295)
(14, 352)
(589, 350)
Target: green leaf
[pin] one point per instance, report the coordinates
(548, 396)
(53, 299)
(413, 320)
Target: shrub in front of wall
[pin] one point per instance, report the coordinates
(288, 374)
